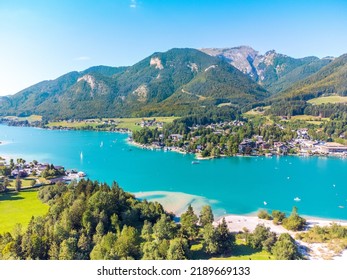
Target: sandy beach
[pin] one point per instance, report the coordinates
(175, 202)
(313, 251)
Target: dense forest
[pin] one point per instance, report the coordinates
(89, 220)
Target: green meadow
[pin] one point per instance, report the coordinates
(241, 251)
(328, 99)
(19, 207)
(129, 123)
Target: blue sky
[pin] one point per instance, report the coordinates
(42, 40)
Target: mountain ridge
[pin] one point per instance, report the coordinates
(329, 80)
(269, 69)
(179, 82)
(150, 86)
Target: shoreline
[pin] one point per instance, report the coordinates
(176, 149)
(312, 251)
(198, 156)
(177, 202)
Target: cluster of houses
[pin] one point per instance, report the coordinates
(302, 144)
(36, 169)
(219, 127)
(150, 123)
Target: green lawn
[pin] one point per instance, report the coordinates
(328, 99)
(241, 251)
(32, 118)
(309, 119)
(129, 123)
(245, 252)
(256, 111)
(73, 124)
(19, 208)
(224, 104)
(25, 183)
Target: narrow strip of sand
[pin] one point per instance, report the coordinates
(314, 251)
(177, 203)
(237, 223)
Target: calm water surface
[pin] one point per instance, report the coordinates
(238, 185)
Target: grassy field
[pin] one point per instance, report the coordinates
(241, 251)
(129, 123)
(256, 111)
(19, 208)
(328, 99)
(25, 183)
(245, 252)
(223, 104)
(32, 118)
(309, 119)
(74, 124)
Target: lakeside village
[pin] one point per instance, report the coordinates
(192, 142)
(110, 125)
(301, 144)
(36, 174)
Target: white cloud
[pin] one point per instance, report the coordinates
(82, 58)
(133, 4)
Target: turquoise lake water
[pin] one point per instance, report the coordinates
(238, 185)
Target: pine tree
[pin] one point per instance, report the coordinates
(206, 216)
(178, 250)
(189, 223)
(18, 184)
(225, 240)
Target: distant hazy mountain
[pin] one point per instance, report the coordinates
(173, 82)
(275, 72)
(329, 80)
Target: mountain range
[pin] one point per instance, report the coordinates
(179, 82)
(275, 72)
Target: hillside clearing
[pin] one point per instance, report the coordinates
(128, 123)
(257, 111)
(328, 99)
(32, 118)
(309, 119)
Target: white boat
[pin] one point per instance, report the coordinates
(297, 199)
(195, 162)
(101, 144)
(81, 155)
(265, 203)
(81, 174)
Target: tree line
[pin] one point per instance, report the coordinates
(90, 220)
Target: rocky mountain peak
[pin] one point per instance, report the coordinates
(241, 57)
